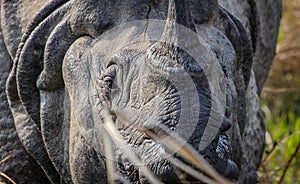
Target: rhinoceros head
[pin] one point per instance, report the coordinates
(180, 73)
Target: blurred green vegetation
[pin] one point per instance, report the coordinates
(280, 101)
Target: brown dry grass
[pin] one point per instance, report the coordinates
(173, 143)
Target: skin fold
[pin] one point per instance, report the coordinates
(186, 65)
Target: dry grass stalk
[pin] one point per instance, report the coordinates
(6, 158)
(7, 177)
(178, 145)
(174, 143)
(289, 162)
(3, 174)
(118, 140)
(109, 152)
(112, 176)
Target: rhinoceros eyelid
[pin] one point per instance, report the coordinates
(110, 64)
(111, 70)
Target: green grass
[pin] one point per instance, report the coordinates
(280, 102)
(281, 162)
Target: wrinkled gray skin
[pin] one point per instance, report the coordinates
(59, 78)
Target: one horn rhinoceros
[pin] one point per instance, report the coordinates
(195, 67)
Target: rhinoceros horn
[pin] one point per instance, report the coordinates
(176, 15)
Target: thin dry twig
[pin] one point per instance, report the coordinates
(7, 177)
(289, 163)
(117, 139)
(288, 48)
(177, 144)
(265, 160)
(6, 158)
(3, 174)
(278, 90)
(110, 166)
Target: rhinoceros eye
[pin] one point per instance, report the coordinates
(109, 77)
(108, 80)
